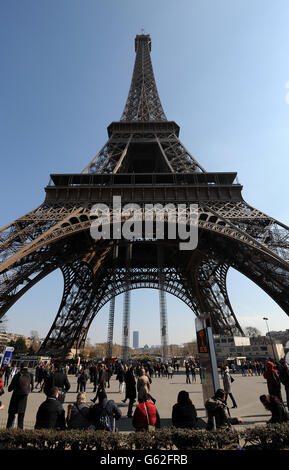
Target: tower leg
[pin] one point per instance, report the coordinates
(163, 307)
(110, 328)
(126, 325)
(126, 307)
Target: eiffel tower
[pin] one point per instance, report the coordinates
(143, 161)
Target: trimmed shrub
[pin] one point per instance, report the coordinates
(273, 437)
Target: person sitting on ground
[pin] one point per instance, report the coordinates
(184, 413)
(146, 414)
(78, 413)
(278, 411)
(102, 414)
(51, 414)
(217, 408)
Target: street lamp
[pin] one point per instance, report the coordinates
(266, 320)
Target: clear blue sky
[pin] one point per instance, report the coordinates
(221, 69)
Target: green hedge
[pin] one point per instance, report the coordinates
(261, 437)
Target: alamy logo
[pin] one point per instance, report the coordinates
(151, 221)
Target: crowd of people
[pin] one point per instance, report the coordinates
(135, 380)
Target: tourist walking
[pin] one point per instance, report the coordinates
(193, 372)
(78, 413)
(130, 390)
(146, 416)
(170, 371)
(188, 380)
(184, 414)
(101, 382)
(57, 379)
(21, 385)
(144, 384)
(120, 377)
(7, 375)
(227, 383)
(81, 381)
(103, 414)
(51, 414)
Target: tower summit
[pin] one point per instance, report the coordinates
(143, 102)
(143, 141)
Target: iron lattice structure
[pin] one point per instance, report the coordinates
(144, 162)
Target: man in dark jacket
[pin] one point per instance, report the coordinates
(103, 413)
(57, 379)
(130, 390)
(284, 377)
(50, 414)
(218, 411)
(21, 385)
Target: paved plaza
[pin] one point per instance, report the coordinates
(246, 391)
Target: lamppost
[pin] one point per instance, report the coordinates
(266, 320)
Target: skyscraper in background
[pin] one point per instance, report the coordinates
(135, 339)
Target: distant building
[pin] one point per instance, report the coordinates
(279, 336)
(135, 339)
(258, 348)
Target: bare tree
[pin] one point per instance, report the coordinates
(252, 332)
(3, 323)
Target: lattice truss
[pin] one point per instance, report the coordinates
(111, 158)
(86, 292)
(28, 251)
(143, 103)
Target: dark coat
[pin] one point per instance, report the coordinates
(79, 418)
(184, 416)
(57, 379)
(130, 384)
(50, 415)
(109, 405)
(18, 400)
(284, 375)
(279, 413)
(217, 409)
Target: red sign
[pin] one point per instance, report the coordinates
(202, 341)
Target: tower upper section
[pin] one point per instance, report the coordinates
(143, 102)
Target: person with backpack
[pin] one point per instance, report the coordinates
(57, 379)
(103, 414)
(81, 381)
(273, 380)
(78, 413)
(21, 385)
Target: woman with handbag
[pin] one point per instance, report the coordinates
(146, 416)
(227, 382)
